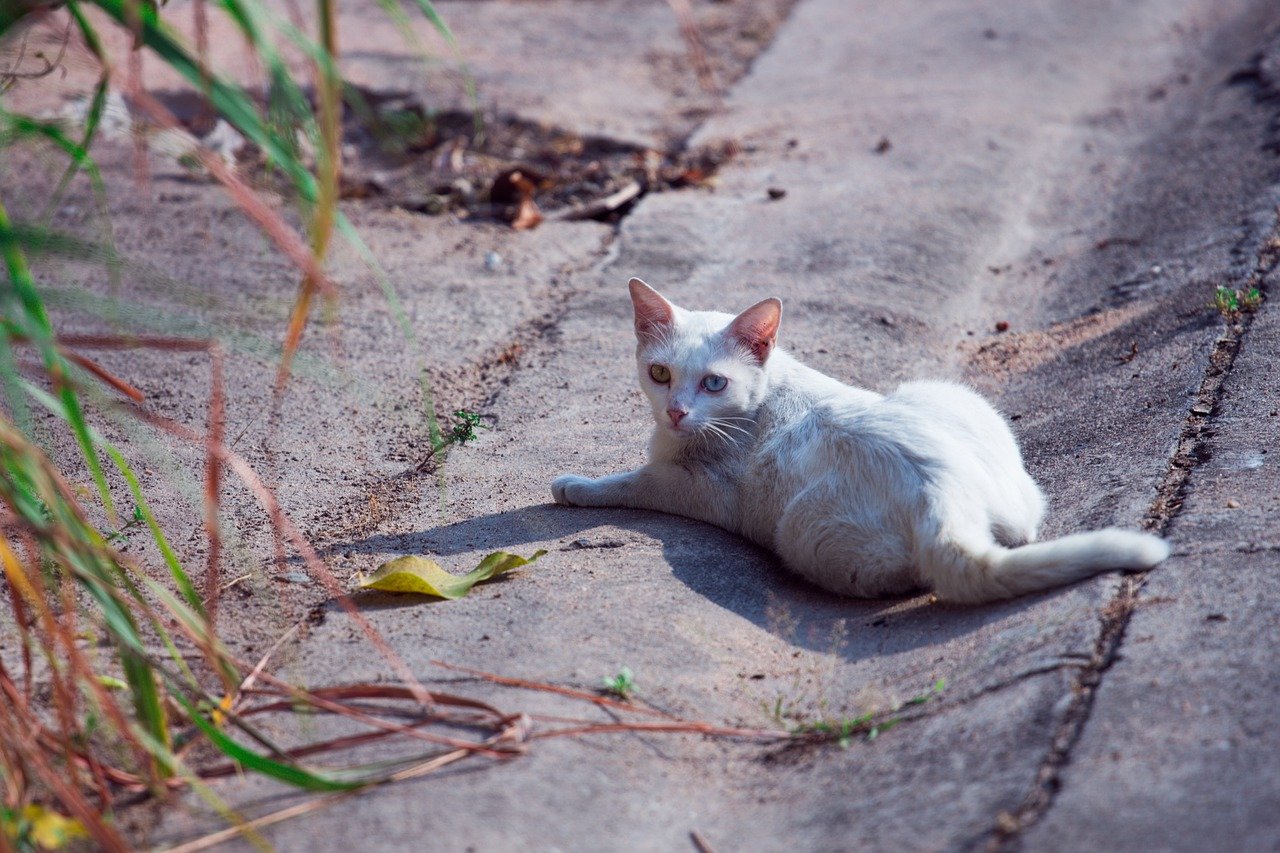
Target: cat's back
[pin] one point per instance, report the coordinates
(813, 423)
(820, 425)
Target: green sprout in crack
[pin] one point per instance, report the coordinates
(620, 685)
(461, 432)
(134, 520)
(465, 429)
(842, 730)
(1251, 299)
(1230, 303)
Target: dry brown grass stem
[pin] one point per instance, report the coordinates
(272, 223)
(213, 483)
(290, 532)
(543, 687)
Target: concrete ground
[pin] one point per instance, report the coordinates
(1085, 173)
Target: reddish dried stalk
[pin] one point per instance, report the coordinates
(212, 484)
(675, 727)
(19, 735)
(267, 500)
(552, 688)
(272, 224)
(92, 367)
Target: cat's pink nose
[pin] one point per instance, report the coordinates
(676, 415)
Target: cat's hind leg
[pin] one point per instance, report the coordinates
(841, 549)
(1017, 511)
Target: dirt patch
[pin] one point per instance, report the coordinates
(399, 153)
(1012, 353)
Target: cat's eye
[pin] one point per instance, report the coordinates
(714, 383)
(659, 373)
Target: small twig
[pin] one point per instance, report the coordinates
(691, 727)
(10, 76)
(249, 679)
(699, 842)
(552, 688)
(231, 583)
(602, 206)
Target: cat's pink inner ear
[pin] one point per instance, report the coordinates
(653, 313)
(757, 328)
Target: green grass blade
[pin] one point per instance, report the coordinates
(73, 168)
(348, 231)
(14, 398)
(41, 331)
(180, 577)
(146, 697)
(428, 10)
(230, 100)
(290, 774)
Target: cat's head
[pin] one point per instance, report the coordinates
(703, 371)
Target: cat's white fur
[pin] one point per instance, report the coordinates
(863, 494)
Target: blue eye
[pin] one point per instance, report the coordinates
(714, 383)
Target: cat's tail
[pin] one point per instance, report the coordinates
(991, 572)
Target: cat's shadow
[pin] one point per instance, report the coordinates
(723, 568)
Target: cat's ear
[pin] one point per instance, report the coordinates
(757, 328)
(654, 315)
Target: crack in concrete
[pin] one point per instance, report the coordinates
(1189, 451)
(504, 360)
(484, 379)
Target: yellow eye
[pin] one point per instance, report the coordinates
(659, 373)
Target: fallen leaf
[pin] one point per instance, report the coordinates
(515, 189)
(51, 830)
(425, 577)
(527, 215)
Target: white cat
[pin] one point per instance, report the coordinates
(862, 494)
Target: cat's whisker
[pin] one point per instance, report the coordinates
(712, 428)
(720, 422)
(723, 424)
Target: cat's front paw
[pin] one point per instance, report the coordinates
(570, 489)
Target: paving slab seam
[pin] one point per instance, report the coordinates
(1189, 451)
(501, 362)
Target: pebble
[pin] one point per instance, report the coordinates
(492, 261)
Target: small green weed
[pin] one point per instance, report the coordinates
(620, 685)
(465, 429)
(134, 520)
(1230, 303)
(938, 686)
(842, 730)
(461, 432)
(1251, 299)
